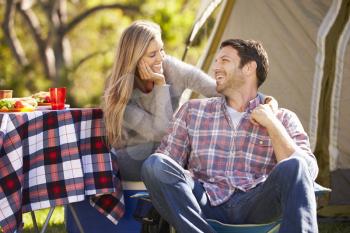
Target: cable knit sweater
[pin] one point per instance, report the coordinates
(147, 115)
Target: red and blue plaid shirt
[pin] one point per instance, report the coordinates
(203, 139)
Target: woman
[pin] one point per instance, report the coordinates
(142, 94)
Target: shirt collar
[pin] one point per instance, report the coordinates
(252, 103)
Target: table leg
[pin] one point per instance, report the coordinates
(47, 220)
(34, 221)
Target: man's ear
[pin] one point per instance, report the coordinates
(250, 67)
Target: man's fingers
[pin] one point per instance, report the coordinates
(253, 121)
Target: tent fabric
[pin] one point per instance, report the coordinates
(340, 112)
(309, 55)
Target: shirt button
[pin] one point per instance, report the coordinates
(211, 180)
(261, 142)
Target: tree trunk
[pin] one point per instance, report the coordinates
(54, 50)
(10, 34)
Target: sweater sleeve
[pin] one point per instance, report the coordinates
(151, 124)
(193, 77)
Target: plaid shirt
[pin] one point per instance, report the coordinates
(53, 158)
(222, 157)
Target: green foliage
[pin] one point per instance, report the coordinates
(175, 18)
(56, 224)
(93, 43)
(12, 75)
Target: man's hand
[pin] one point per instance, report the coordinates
(146, 73)
(283, 145)
(263, 115)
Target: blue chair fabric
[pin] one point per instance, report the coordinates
(219, 227)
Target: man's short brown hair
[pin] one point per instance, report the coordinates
(251, 50)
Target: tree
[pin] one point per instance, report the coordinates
(53, 49)
(72, 43)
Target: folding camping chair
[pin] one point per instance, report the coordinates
(219, 227)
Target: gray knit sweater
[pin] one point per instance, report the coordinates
(147, 115)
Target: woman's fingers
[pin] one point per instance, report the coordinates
(144, 74)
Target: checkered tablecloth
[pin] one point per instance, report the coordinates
(53, 158)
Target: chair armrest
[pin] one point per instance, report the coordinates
(320, 190)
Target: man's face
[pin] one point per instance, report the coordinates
(228, 73)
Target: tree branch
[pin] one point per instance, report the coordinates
(88, 57)
(10, 34)
(33, 23)
(45, 53)
(126, 8)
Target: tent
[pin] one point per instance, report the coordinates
(309, 54)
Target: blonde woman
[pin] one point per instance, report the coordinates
(142, 94)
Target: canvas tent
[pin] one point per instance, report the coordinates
(309, 54)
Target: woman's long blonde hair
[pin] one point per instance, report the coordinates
(119, 86)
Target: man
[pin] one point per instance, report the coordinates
(244, 164)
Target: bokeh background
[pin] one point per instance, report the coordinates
(46, 43)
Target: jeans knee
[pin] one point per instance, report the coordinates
(293, 167)
(159, 168)
(149, 167)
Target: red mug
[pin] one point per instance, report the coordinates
(58, 97)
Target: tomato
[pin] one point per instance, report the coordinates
(47, 99)
(18, 104)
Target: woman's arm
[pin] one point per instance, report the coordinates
(192, 77)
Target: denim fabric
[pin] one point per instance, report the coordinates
(288, 193)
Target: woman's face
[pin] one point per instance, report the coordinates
(154, 55)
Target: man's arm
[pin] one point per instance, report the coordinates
(176, 143)
(283, 144)
(288, 138)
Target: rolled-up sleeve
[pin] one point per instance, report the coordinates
(301, 139)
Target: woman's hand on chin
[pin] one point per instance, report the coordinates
(147, 74)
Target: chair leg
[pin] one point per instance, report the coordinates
(172, 229)
(76, 219)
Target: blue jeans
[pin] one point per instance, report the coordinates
(182, 201)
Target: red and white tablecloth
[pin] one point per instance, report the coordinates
(54, 158)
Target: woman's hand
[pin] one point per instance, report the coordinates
(147, 74)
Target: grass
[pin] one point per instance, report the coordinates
(56, 224)
(342, 227)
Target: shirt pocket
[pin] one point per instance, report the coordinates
(263, 141)
(261, 146)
